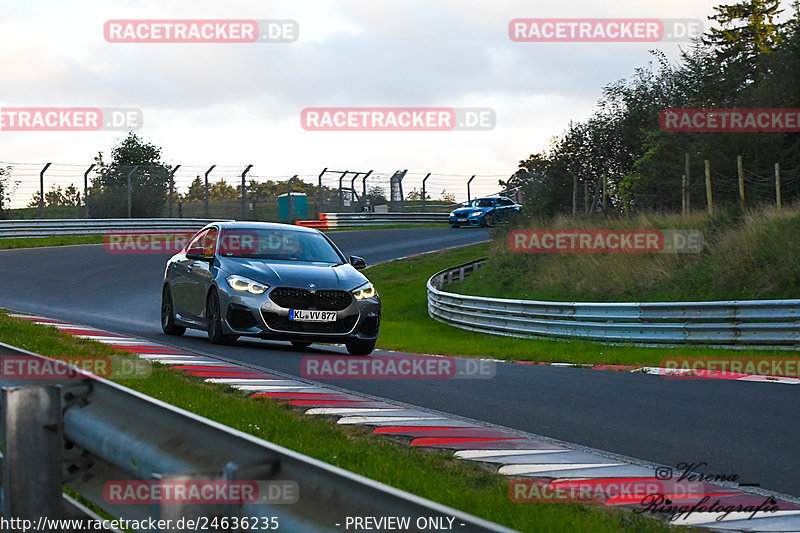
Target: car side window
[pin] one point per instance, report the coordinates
(209, 242)
(197, 239)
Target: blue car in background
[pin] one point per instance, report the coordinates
(485, 212)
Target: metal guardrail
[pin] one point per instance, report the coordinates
(725, 323)
(55, 227)
(349, 220)
(83, 433)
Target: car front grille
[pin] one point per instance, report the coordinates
(323, 300)
(282, 323)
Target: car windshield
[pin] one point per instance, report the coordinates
(482, 202)
(277, 244)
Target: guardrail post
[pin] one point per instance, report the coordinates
(205, 189)
(41, 190)
(244, 191)
(423, 190)
(468, 193)
(86, 190)
(172, 187)
(130, 197)
(32, 441)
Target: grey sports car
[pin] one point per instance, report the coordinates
(272, 281)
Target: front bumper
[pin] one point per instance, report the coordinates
(258, 316)
(466, 221)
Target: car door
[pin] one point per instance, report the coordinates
(180, 280)
(200, 275)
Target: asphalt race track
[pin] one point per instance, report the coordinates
(741, 428)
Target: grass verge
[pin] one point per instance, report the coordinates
(406, 326)
(435, 475)
(63, 240)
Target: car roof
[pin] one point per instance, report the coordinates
(247, 225)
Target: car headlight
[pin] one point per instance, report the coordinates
(452, 213)
(238, 283)
(365, 291)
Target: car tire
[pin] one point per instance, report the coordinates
(488, 220)
(360, 347)
(301, 345)
(168, 314)
(214, 321)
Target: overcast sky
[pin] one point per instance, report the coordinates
(237, 104)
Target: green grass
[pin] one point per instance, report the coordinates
(746, 256)
(64, 240)
(406, 326)
(431, 474)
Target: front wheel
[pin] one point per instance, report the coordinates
(168, 314)
(214, 321)
(360, 347)
(488, 221)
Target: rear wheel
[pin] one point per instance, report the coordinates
(168, 314)
(214, 321)
(301, 345)
(360, 347)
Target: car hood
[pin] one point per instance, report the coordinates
(465, 211)
(295, 274)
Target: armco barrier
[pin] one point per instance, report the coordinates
(87, 432)
(350, 220)
(725, 323)
(11, 229)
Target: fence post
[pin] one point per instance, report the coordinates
(86, 190)
(290, 199)
(624, 194)
(130, 196)
(684, 206)
(172, 187)
(469, 197)
(585, 197)
(319, 191)
(423, 190)
(709, 198)
(41, 190)
(32, 440)
(364, 186)
(605, 192)
(574, 196)
(205, 189)
(778, 184)
(341, 194)
(688, 183)
(740, 170)
(353, 191)
(244, 191)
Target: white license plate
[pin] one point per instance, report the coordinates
(312, 316)
(462, 219)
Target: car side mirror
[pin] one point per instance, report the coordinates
(198, 253)
(358, 262)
